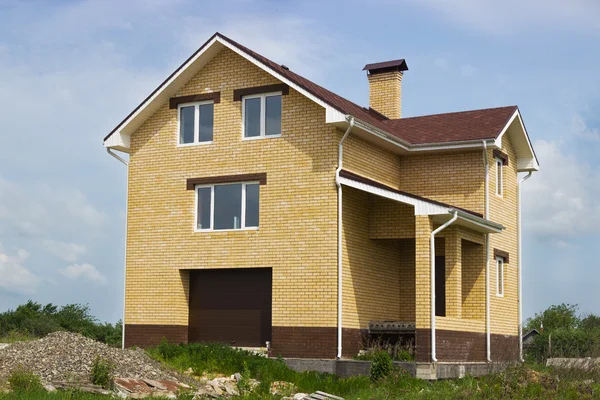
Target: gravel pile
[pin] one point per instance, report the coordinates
(69, 356)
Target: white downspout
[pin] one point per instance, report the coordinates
(432, 252)
(520, 259)
(125, 251)
(339, 228)
(487, 257)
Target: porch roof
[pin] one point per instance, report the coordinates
(440, 212)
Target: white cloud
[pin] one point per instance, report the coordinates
(41, 209)
(85, 271)
(15, 277)
(441, 62)
(562, 199)
(512, 16)
(65, 251)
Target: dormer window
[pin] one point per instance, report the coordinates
(261, 115)
(196, 122)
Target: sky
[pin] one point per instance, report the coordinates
(71, 70)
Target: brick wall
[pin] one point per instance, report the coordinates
(385, 93)
(298, 209)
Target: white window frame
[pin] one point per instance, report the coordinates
(263, 115)
(196, 105)
(499, 177)
(212, 207)
(500, 276)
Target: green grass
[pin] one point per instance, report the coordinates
(524, 381)
(518, 382)
(16, 336)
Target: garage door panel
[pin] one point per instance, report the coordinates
(230, 306)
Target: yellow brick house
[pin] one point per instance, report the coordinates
(263, 208)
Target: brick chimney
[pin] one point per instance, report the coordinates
(385, 87)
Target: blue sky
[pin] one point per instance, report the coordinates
(72, 70)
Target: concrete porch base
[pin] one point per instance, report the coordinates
(427, 371)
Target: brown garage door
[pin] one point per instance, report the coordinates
(230, 306)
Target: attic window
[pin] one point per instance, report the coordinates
(196, 122)
(261, 115)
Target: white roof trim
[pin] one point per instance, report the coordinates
(424, 207)
(523, 164)
(332, 115)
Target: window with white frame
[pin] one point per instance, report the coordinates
(500, 276)
(227, 206)
(261, 115)
(499, 177)
(196, 122)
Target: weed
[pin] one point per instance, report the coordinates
(22, 380)
(102, 371)
(381, 366)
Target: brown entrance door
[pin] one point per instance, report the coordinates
(440, 286)
(231, 306)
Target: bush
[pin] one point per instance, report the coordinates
(22, 380)
(381, 366)
(102, 371)
(34, 320)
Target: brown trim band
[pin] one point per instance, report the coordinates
(503, 156)
(279, 87)
(175, 101)
(502, 254)
(191, 182)
(152, 335)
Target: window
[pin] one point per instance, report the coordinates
(196, 123)
(499, 178)
(227, 206)
(500, 276)
(261, 115)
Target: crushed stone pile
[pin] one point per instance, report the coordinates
(65, 356)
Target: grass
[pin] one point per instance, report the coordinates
(523, 381)
(16, 336)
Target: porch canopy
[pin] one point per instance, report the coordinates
(439, 212)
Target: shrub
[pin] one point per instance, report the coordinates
(102, 371)
(22, 380)
(381, 366)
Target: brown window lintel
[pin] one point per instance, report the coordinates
(502, 254)
(209, 180)
(175, 101)
(280, 87)
(502, 156)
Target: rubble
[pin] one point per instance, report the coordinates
(64, 356)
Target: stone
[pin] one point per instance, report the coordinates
(49, 388)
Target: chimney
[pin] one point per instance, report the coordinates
(385, 87)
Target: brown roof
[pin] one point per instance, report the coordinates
(399, 64)
(440, 128)
(452, 127)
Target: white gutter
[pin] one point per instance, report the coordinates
(432, 252)
(487, 257)
(109, 151)
(339, 228)
(520, 261)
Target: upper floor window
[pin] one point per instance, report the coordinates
(499, 177)
(227, 206)
(261, 115)
(196, 122)
(500, 276)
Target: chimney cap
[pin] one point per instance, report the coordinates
(386, 66)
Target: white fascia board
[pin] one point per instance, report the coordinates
(487, 225)
(524, 164)
(163, 88)
(118, 141)
(422, 207)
